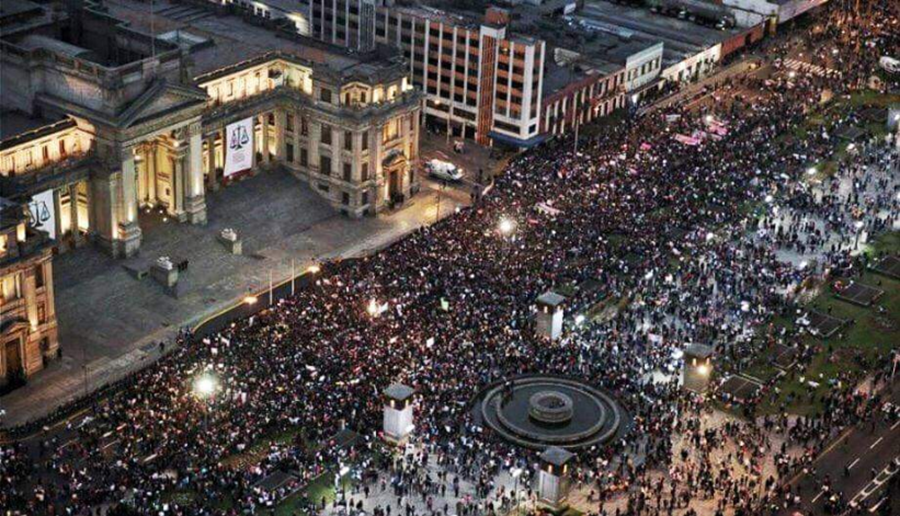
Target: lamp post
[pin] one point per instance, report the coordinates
(205, 387)
(516, 473)
(506, 226)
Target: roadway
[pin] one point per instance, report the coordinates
(855, 472)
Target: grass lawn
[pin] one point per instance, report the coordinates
(323, 485)
(867, 338)
(255, 453)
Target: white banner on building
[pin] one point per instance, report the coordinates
(42, 211)
(239, 150)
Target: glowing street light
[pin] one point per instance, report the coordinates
(507, 226)
(205, 385)
(314, 269)
(374, 309)
(250, 299)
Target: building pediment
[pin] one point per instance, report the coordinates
(161, 99)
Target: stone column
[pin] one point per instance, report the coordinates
(195, 201)
(280, 140)
(129, 237)
(77, 239)
(264, 126)
(211, 184)
(178, 182)
(151, 164)
(57, 206)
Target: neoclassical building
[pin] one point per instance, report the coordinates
(28, 334)
(108, 120)
(110, 115)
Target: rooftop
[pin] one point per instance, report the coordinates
(234, 39)
(681, 38)
(18, 123)
(13, 8)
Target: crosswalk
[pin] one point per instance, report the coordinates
(804, 67)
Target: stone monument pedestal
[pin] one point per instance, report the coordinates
(549, 317)
(230, 240)
(697, 368)
(398, 413)
(164, 272)
(553, 479)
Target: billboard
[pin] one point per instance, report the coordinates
(239, 150)
(42, 212)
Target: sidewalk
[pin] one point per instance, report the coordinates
(111, 324)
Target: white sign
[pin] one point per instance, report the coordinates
(42, 212)
(239, 151)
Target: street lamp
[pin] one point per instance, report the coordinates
(314, 269)
(205, 386)
(516, 473)
(374, 309)
(506, 226)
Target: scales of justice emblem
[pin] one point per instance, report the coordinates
(240, 137)
(39, 215)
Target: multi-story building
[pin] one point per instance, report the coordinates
(120, 109)
(28, 335)
(481, 80)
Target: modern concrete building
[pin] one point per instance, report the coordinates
(515, 75)
(120, 114)
(481, 79)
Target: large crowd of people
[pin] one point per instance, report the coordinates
(651, 220)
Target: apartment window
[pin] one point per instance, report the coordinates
(39, 276)
(348, 172)
(289, 122)
(345, 198)
(304, 126)
(62, 148)
(45, 153)
(325, 95)
(304, 157)
(326, 135)
(325, 165)
(365, 141)
(364, 173)
(42, 313)
(348, 140)
(365, 198)
(289, 151)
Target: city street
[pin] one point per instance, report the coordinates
(856, 468)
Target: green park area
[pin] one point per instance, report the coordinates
(841, 361)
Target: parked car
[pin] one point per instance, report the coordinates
(444, 170)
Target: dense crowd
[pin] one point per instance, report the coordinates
(650, 219)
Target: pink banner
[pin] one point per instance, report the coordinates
(687, 140)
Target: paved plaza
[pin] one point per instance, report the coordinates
(112, 323)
